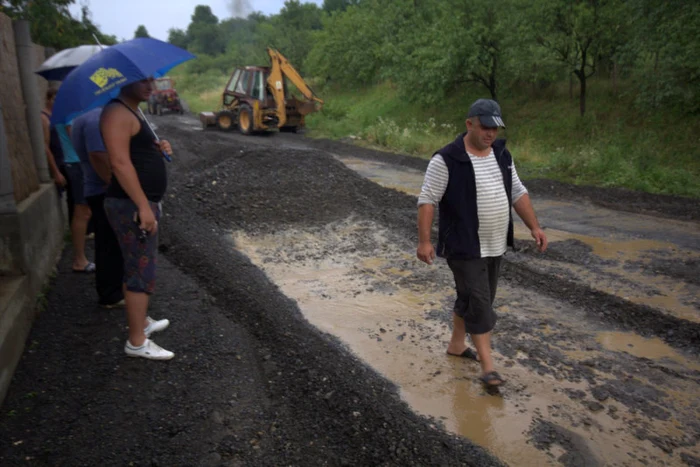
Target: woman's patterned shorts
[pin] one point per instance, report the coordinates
(139, 250)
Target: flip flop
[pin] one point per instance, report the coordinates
(89, 268)
(109, 306)
(488, 379)
(468, 353)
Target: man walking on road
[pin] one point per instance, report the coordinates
(474, 183)
(97, 174)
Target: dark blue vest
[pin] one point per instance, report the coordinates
(458, 236)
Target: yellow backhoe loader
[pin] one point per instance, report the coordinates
(258, 99)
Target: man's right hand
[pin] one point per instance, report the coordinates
(426, 252)
(59, 179)
(148, 220)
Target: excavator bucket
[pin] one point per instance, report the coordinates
(306, 107)
(207, 119)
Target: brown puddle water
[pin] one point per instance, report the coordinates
(643, 347)
(362, 298)
(400, 179)
(387, 328)
(669, 294)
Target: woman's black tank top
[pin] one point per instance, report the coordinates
(148, 162)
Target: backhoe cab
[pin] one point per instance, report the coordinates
(258, 99)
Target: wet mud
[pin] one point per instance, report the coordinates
(600, 373)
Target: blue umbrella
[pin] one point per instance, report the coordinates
(101, 77)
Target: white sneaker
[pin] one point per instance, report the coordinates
(149, 350)
(155, 326)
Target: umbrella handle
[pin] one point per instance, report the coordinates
(165, 154)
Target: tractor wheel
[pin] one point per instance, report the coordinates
(159, 109)
(224, 120)
(245, 119)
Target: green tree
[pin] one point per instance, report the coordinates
(203, 15)
(203, 33)
(141, 31)
(666, 53)
(88, 31)
(430, 50)
(329, 6)
(573, 31)
(346, 50)
(52, 25)
(479, 32)
(291, 31)
(178, 38)
(243, 44)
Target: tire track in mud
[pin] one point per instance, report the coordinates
(586, 376)
(611, 309)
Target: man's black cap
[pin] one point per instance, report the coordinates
(489, 113)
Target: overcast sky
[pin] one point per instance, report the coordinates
(122, 17)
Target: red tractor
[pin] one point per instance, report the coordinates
(164, 97)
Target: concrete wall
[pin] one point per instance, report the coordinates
(32, 216)
(35, 235)
(24, 173)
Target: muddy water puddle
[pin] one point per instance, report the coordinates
(400, 179)
(644, 347)
(626, 268)
(356, 282)
(356, 297)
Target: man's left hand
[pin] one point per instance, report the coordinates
(165, 146)
(540, 238)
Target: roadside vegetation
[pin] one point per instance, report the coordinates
(597, 92)
(612, 145)
(603, 93)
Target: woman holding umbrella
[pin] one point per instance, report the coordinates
(131, 204)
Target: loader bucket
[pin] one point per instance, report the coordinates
(207, 119)
(306, 107)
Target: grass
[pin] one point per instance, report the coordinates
(379, 117)
(613, 145)
(202, 92)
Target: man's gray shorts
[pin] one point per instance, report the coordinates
(476, 281)
(75, 182)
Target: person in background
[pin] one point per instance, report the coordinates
(97, 173)
(52, 143)
(138, 184)
(78, 209)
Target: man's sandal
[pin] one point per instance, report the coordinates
(468, 353)
(489, 380)
(89, 268)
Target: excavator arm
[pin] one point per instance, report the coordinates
(279, 68)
